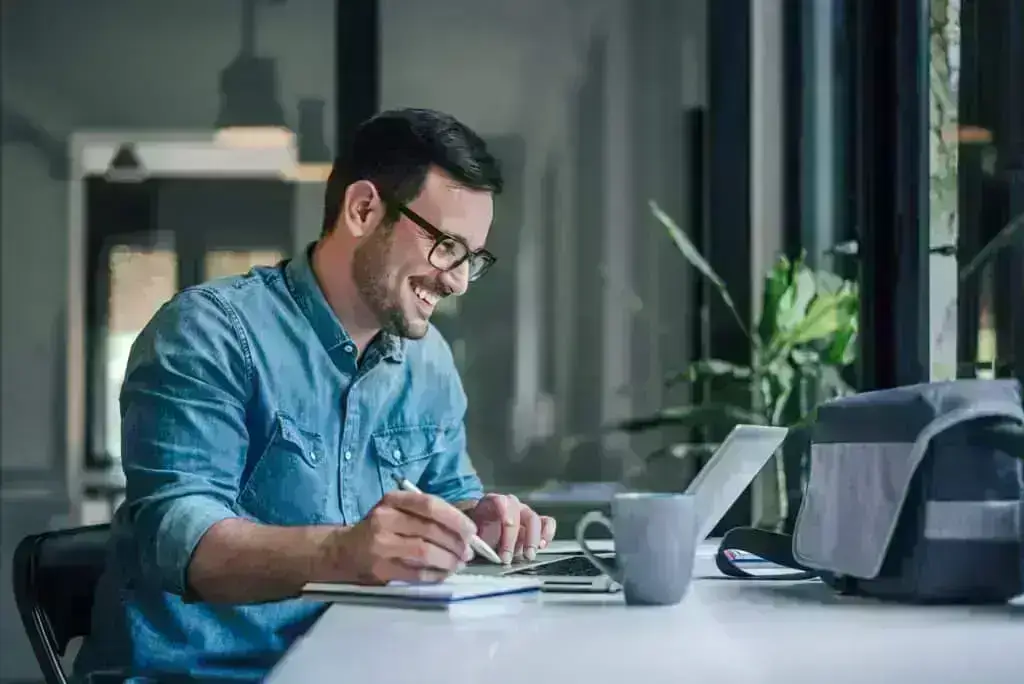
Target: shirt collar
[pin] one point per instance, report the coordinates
(305, 288)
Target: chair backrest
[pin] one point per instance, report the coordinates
(55, 578)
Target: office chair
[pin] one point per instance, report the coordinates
(55, 577)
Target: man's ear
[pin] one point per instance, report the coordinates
(362, 209)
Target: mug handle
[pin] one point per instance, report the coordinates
(586, 521)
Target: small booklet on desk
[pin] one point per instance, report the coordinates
(462, 593)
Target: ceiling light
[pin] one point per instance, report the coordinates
(255, 137)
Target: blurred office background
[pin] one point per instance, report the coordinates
(148, 146)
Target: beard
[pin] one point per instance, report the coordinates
(379, 290)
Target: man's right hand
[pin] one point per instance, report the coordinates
(407, 536)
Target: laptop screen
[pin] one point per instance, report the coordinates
(735, 464)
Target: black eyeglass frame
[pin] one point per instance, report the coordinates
(482, 256)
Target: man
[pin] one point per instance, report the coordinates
(266, 416)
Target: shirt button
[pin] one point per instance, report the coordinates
(398, 454)
(312, 456)
(348, 455)
(349, 348)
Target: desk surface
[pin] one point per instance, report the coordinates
(728, 630)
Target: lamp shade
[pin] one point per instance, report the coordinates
(249, 94)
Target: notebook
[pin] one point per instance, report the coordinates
(456, 592)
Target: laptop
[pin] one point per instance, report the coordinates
(718, 485)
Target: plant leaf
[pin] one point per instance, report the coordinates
(707, 369)
(850, 349)
(794, 304)
(829, 283)
(822, 320)
(776, 281)
(782, 376)
(686, 247)
(692, 254)
(843, 349)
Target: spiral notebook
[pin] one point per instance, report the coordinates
(456, 591)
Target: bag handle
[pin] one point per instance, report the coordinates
(771, 546)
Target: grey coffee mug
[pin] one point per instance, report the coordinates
(655, 545)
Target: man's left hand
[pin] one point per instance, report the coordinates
(510, 527)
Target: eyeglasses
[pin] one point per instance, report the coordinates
(449, 252)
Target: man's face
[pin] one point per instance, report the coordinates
(392, 267)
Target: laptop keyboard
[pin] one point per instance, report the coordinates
(573, 566)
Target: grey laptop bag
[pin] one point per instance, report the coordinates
(914, 494)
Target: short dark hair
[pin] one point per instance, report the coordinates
(394, 150)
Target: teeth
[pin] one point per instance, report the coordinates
(428, 297)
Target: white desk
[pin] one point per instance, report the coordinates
(724, 630)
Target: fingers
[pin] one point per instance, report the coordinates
(547, 530)
(421, 554)
(415, 527)
(530, 530)
(433, 509)
(414, 538)
(441, 526)
(522, 531)
(508, 510)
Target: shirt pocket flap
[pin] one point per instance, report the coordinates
(398, 447)
(290, 437)
(287, 484)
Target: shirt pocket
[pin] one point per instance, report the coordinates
(289, 484)
(406, 452)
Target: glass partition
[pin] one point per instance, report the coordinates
(141, 280)
(988, 138)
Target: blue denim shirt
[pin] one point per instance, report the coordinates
(243, 397)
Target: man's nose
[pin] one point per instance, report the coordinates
(457, 279)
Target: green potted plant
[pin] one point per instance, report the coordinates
(800, 347)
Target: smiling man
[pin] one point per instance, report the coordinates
(265, 418)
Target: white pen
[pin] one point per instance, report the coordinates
(478, 544)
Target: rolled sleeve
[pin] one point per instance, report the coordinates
(184, 523)
(184, 435)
